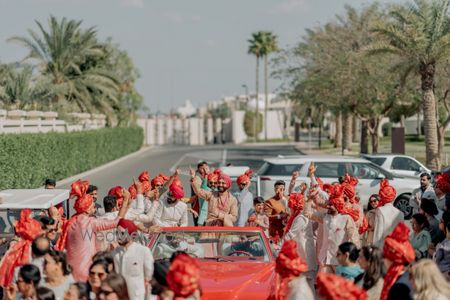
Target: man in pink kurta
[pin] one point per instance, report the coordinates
(222, 205)
(79, 235)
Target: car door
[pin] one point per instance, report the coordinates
(405, 166)
(368, 179)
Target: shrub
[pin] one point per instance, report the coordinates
(26, 160)
(249, 125)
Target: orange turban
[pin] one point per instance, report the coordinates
(399, 251)
(144, 176)
(442, 182)
(296, 203)
(83, 201)
(160, 179)
(288, 265)
(387, 193)
(27, 229)
(337, 200)
(349, 185)
(133, 191)
(334, 287)
(245, 178)
(183, 276)
(176, 190)
(214, 176)
(79, 188)
(117, 192)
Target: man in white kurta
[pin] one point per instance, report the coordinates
(244, 198)
(171, 212)
(133, 261)
(387, 218)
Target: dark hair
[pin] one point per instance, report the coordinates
(104, 257)
(84, 290)
(202, 163)
(109, 202)
(279, 182)
(161, 267)
(447, 226)
(50, 181)
(421, 220)
(46, 221)
(118, 285)
(100, 262)
(91, 188)
(351, 249)
(60, 257)
(30, 274)
(376, 269)
(341, 179)
(258, 200)
(446, 217)
(425, 175)
(36, 250)
(369, 207)
(429, 207)
(44, 293)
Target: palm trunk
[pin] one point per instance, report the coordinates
(364, 143)
(338, 135)
(266, 95)
(441, 140)
(427, 72)
(355, 127)
(347, 131)
(374, 125)
(255, 120)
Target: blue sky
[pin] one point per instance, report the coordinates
(184, 49)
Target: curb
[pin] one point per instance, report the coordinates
(102, 167)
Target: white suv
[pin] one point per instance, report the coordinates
(329, 169)
(398, 164)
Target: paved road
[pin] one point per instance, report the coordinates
(164, 159)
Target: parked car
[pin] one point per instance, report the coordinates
(235, 262)
(398, 164)
(234, 172)
(14, 200)
(330, 168)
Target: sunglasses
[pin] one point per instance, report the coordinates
(99, 274)
(158, 185)
(243, 184)
(105, 292)
(52, 230)
(212, 182)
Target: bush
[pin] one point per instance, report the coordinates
(26, 160)
(249, 125)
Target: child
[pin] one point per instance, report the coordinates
(258, 218)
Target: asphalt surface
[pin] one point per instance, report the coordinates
(166, 159)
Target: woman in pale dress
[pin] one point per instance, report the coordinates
(428, 281)
(371, 261)
(374, 200)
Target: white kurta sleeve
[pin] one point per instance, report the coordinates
(150, 215)
(297, 226)
(158, 214)
(184, 217)
(148, 264)
(378, 228)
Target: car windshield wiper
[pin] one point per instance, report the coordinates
(218, 259)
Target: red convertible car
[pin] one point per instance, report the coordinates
(235, 262)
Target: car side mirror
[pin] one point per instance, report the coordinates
(381, 176)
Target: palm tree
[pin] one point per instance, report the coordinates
(255, 48)
(65, 53)
(269, 45)
(419, 36)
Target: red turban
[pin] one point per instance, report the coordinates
(399, 251)
(288, 265)
(79, 188)
(245, 178)
(183, 276)
(117, 192)
(176, 190)
(334, 287)
(442, 182)
(128, 225)
(177, 181)
(144, 176)
(349, 185)
(226, 179)
(214, 176)
(27, 229)
(387, 193)
(296, 203)
(83, 201)
(337, 200)
(133, 191)
(159, 180)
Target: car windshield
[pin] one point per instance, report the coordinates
(220, 246)
(279, 170)
(376, 160)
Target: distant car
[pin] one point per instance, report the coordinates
(330, 168)
(234, 172)
(398, 164)
(235, 262)
(38, 200)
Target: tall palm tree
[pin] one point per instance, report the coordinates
(255, 48)
(63, 53)
(419, 35)
(269, 45)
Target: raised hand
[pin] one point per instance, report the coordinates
(191, 173)
(295, 175)
(312, 169)
(138, 185)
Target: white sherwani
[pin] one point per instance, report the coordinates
(171, 215)
(387, 218)
(299, 289)
(135, 264)
(245, 202)
(336, 230)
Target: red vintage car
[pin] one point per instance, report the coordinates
(235, 262)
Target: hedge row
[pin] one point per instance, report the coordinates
(26, 160)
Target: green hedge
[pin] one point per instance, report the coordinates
(26, 160)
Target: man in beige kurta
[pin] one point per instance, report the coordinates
(222, 205)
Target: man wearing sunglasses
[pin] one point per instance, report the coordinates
(244, 197)
(171, 212)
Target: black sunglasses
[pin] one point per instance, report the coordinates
(105, 292)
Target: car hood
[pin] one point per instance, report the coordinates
(236, 280)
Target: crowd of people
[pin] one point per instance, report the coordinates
(327, 245)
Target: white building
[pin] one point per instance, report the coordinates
(188, 109)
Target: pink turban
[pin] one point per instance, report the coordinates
(176, 190)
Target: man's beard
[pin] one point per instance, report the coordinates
(171, 201)
(221, 189)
